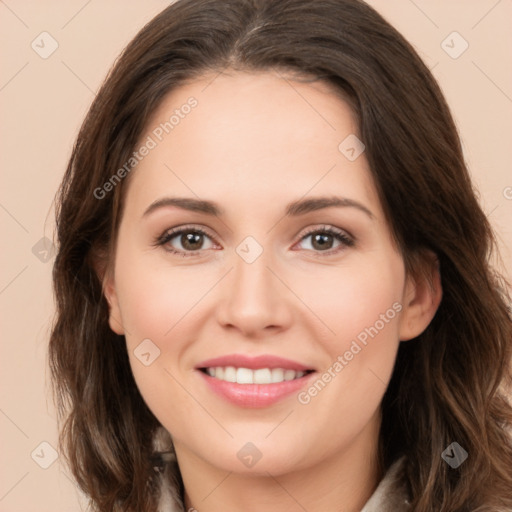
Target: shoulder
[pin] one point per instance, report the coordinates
(391, 494)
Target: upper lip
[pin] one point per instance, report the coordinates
(253, 363)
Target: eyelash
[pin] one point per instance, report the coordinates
(166, 237)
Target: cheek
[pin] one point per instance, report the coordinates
(356, 301)
(158, 311)
(154, 298)
(361, 306)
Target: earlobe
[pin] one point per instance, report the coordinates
(106, 276)
(114, 317)
(422, 296)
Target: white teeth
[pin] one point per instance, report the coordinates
(263, 376)
(243, 376)
(248, 376)
(289, 375)
(230, 374)
(277, 375)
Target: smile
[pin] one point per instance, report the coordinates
(250, 376)
(254, 381)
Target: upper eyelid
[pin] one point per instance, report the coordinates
(179, 229)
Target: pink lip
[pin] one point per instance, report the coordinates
(254, 395)
(253, 363)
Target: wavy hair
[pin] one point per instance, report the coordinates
(448, 384)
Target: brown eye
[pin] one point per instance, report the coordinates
(191, 241)
(185, 241)
(324, 240)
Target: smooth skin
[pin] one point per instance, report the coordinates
(254, 143)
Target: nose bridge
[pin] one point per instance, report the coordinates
(254, 298)
(252, 280)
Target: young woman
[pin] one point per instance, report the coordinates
(273, 282)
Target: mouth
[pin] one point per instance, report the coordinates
(254, 382)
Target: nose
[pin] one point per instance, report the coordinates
(255, 300)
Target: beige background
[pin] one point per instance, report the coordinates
(42, 104)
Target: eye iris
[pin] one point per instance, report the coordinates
(189, 239)
(320, 238)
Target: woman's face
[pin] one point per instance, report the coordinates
(293, 270)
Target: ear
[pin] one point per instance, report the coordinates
(114, 317)
(422, 296)
(105, 274)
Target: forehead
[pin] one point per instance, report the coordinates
(251, 135)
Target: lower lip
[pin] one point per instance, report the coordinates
(255, 395)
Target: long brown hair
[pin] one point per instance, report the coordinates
(446, 383)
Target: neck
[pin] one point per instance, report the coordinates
(342, 481)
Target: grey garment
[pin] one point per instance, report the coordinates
(169, 479)
(389, 496)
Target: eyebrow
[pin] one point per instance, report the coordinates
(293, 209)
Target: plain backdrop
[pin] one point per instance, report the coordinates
(43, 99)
